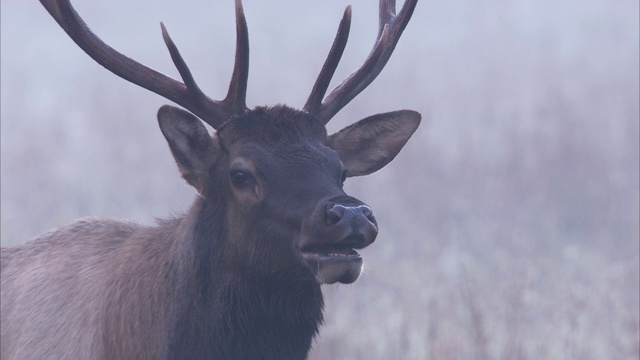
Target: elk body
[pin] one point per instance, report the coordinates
(238, 276)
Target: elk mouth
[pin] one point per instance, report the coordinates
(331, 263)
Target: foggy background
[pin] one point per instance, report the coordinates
(508, 224)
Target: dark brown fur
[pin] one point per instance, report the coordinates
(238, 276)
(224, 281)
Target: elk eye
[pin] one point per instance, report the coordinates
(240, 178)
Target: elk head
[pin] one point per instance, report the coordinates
(274, 170)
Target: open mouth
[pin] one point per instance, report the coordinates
(332, 263)
(337, 252)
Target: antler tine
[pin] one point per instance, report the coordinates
(237, 94)
(387, 12)
(390, 30)
(187, 95)
(331, 63)
(197, 97)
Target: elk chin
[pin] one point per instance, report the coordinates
(331, 264)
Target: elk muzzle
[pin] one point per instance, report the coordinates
(335, 233)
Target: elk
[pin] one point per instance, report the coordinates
(239, 275)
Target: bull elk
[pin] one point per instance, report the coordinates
(239, 275)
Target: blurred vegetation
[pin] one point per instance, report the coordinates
(509, 224)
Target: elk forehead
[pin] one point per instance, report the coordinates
(286, 151)
(272, 126)
(280, 140)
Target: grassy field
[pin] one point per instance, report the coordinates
(509, 224)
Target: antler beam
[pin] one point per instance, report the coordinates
(186, 94)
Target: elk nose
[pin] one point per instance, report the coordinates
(358, 221)
(339, 213)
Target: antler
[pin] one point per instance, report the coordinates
(390, 29)
(187, 94)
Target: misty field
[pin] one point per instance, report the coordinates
(508, 225)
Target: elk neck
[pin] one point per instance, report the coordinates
(276, 309)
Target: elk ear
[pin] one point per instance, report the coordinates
(371, 143)
(193, 148)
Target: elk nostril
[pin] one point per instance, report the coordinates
(338, 213)
(335, 214)
(367, 212)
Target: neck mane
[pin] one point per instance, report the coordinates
(226, 311)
